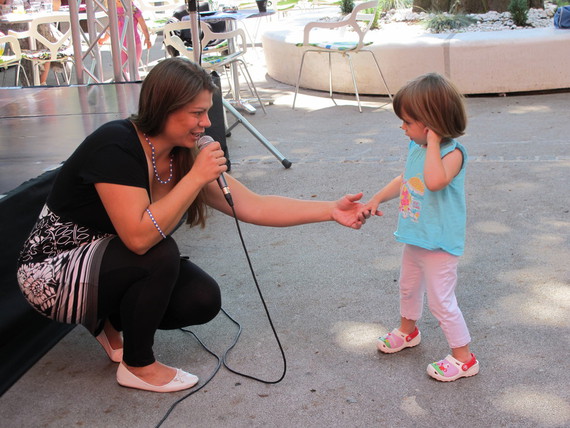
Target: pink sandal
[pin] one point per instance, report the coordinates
(396, 341)
(450, 369)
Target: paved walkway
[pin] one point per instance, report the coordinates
(331, 291)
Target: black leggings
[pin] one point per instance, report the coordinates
(158, 290)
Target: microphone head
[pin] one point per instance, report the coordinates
(204, 141)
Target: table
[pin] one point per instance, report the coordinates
(232, 18)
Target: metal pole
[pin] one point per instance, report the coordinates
(114, 38)
(240, 119)
(76, 40)
(94, 46)
(195, 30)
(130, 29)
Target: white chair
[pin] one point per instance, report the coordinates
(345, 48)
(156, 13)
(10, 55)
(58, 51)
(226, 53)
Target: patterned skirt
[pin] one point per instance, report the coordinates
(58, 269)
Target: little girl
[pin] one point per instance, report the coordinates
(431, 222)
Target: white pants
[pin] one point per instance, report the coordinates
(434, 272)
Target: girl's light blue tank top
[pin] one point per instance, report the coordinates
(432, 220)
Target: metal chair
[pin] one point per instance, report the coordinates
(216, 56)
(10, 55)
(345, 48)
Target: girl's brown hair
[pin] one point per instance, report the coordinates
(169, 86)
(434, 101)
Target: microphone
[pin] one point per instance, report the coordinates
(203, 142)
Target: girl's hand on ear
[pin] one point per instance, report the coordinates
(433, 137)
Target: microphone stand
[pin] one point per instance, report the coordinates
(197, 51)
(195, 30)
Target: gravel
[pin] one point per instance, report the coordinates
(490, 21)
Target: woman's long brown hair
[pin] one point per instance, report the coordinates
(170, 85)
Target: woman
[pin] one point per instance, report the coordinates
(101, 254)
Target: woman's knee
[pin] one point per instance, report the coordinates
(211, 302)
(201, 292)
(162, 261)
(164, 255)
(196, 298)
(118, 256)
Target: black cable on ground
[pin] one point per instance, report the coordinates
(222, 360)
(200, 387)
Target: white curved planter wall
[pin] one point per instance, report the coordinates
(480, 62)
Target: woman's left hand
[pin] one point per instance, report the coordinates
(349, 212)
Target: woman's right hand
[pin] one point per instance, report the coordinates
(209, 164)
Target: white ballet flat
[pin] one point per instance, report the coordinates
(182, 380)
(115, 355)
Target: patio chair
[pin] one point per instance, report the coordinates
(342, 47)
(10, 55)
(221, 56)
(157, 12)
(58, 51)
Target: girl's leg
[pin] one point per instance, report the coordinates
(138, 46)
(411, 305)
(44, 74)
(411, 289)
(441, 280)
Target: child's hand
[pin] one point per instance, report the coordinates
(372, 207)
(103, 39)
(433, 137)
(364, 212)
(147, 42)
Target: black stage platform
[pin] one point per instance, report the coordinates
(41, 126)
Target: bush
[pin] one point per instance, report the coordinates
(519, 12)
(346, 6)
(440, 22)
(374, 25)
(386, 5)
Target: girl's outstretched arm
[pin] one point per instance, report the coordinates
(388, 192)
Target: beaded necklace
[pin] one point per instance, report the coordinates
(154, 163)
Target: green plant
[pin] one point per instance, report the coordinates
(386, 5)
(346, 6)
(376, 12)
(560, 3)
(519, 12)
(375, 25)
(439, 22)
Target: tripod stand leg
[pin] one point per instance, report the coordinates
(256, 134)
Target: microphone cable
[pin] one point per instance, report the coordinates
(223, 359)
(266, 313)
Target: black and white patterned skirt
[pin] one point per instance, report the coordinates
(58, 269)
